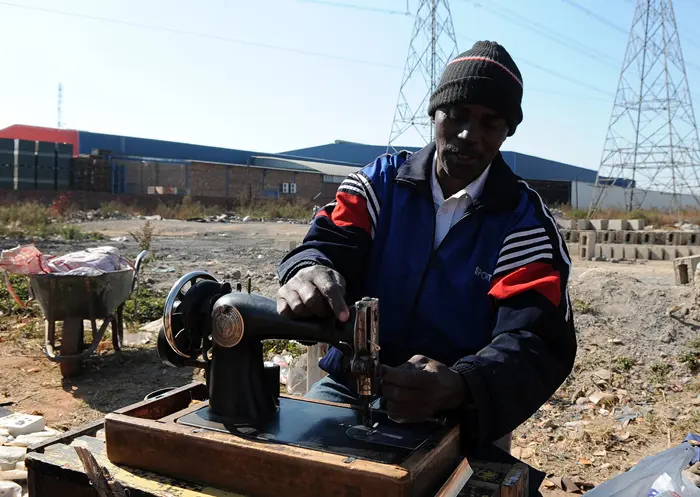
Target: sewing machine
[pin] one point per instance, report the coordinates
(242, 435)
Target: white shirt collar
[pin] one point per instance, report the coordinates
(472, 190)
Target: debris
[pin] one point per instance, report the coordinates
(13, 475)
(602, 398)
(32, 438)
(585, 462)
(10, 489)
(548, 484)
(603, 374)
(152, 327)
(10, 456)
(566, 484)
(672, 413)
(99, 477)
(22, 424)
(163, 270)
(616, 341)
(629, 414)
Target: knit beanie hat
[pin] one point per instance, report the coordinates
(485, 75)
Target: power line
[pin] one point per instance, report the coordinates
(567, 95)
(200, 35)
(558, 75)
(618, 28)
(536, 27)
(595, 16)
(276, 47)
(359, 7)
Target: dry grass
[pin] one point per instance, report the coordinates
(191, 209)
(30, 219)
(654, 217)
(187, 209)
(276, 210)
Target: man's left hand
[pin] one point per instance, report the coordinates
(420, 388)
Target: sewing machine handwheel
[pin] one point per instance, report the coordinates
(173, 321)
(166, 354)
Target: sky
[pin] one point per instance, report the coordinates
(278, 75)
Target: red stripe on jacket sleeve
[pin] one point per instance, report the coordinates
(538, 276)
(351, 210)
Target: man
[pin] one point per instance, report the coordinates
(466, 261)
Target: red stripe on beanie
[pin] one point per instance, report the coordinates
(463, 59)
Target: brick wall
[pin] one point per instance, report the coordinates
(208, 180)
(264, 182)
(209, 183)
(238, 182)
(168, 175)
(140, 175)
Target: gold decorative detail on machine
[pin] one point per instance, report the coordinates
(228, 327)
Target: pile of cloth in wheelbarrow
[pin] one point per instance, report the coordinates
(27, 259)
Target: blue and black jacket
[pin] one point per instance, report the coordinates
(490, 301)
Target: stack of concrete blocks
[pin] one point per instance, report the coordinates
(626, 239)
(685, 269)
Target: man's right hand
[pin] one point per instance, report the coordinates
(314, 291)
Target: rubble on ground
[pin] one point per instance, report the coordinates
(18, 431)
(229, 217)
(634, 388)
(97, 215)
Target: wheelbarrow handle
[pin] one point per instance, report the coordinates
(139, 261)
(137, 267)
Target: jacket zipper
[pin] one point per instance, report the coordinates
(419, 291)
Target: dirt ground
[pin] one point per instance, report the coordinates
(634, 390)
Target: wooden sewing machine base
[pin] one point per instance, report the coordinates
(153, 456)
(311, 448)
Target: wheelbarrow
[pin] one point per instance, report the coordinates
(74, 299)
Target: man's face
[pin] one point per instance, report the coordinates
(467, 137)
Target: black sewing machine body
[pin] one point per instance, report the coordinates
(214, 327)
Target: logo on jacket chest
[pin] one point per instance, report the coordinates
(482, 274)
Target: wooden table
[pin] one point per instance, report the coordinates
(58, 471)
(54, 468)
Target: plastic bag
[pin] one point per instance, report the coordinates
(296, 380)
(659, 475)
(24, 259)
(105, 259)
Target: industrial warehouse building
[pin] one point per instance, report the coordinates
(36, 158)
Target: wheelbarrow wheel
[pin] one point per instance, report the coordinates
(71, 344)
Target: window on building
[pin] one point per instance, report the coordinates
(285, 187)
(292, 188)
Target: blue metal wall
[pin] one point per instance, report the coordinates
(126, 145)
(536, 168)
(525, 166)
(351, 153)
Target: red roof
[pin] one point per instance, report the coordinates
(38, 133)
